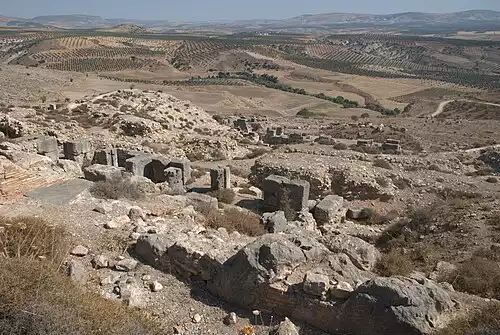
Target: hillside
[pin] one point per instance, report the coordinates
(474, 19)
(127, 28)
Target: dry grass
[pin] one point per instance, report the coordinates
(32, 238)
(226, 195)
(478, 275)
(114, 242)
(395, 262)
(246, 223)
(482, 321)
(37, 299)
(117, 188)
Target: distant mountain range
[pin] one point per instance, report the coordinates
(473, 19)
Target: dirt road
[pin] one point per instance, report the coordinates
(443, 104)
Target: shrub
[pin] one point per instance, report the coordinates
(116, 188)
(483, 320)
(354, 117)
(31, 238)
(395, 262)
(382, 163)
(226, 195)
(246, 223)
(477, 275)
(305, 113)
(365, 115)
(36, 299)
(492, 180)
(340, 146)
(256, 153)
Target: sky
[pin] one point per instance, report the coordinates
(203, 10)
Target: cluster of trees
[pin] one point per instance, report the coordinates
(271, 81)
(382, 110)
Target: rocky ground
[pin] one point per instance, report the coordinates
(381, 234)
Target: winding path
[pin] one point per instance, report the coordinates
(443, 104)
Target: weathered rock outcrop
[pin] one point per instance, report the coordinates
(395, 306)
(361, 253)
(326, 175)
(299, 277)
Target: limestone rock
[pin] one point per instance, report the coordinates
(202, 202)
(77, 272)
(287, 328)
(274, 222)
(100, 262)
(72, 168)
(362, 254)
(103, 208)
(151, 248)
(268, 258)
(99, 172)
(396, 305)
(341, 290)
(126, 264)
(80, 251)
(156, 286)
(327, 210)
(197, 318)
(117, 222)
(315, 283)
(230, 319)
(136, 213)
(11, 127)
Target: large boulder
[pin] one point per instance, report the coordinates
(244, 277)
(99, 172)
(12, 128)
(274, 222)
(362, 254)
(395, 305)
(328, 210)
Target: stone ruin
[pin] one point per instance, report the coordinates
(157, 168)
(277, 135)
(364, 143)
(220, 178)
(80, 151)
(280, 192)
(392, 146)
(245, 127)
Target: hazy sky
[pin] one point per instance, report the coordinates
(183, 10)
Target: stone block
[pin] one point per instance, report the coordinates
(184, 165)
(327, 210)
(77, 148)
(364, 143)
(220, 178)
(48, 146)
(280, 192)
(106, 157)
(98, 172)
(174, 178)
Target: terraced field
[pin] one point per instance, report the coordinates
(464, 62)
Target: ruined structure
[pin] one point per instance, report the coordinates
(392, 146)
(220, 178)
(106, 157)
(280, 192)
(47, 146)
(79, 151)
